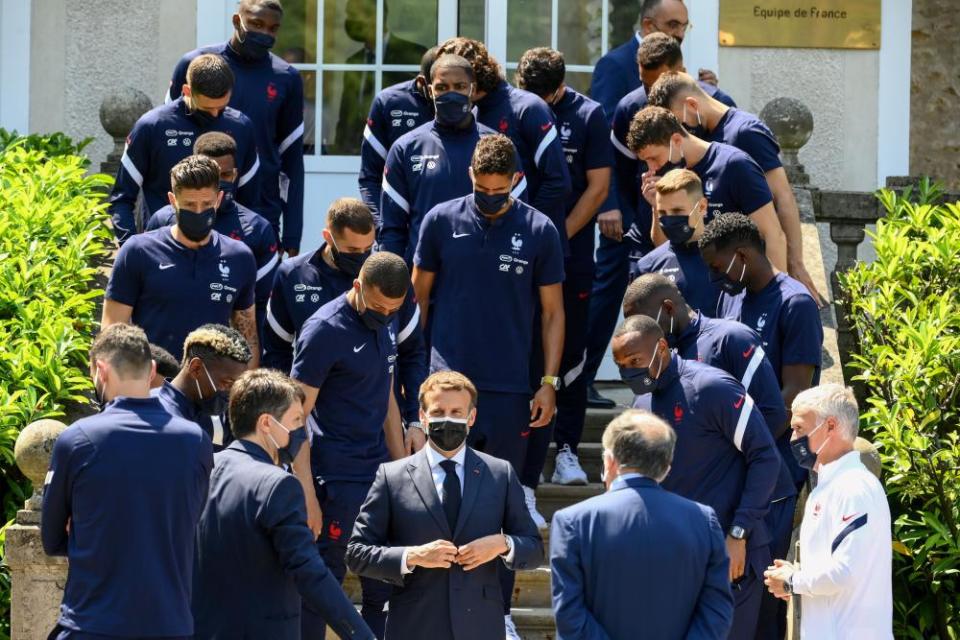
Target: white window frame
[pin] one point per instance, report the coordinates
(15, 65)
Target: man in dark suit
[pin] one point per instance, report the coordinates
(359, 87)
(434, 521)
(639, 557)
(255, 555)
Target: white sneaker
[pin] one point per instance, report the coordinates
(530, 497)
(568, 469)
(510, 628)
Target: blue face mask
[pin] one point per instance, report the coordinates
(214, 405)
(677, 229)
(451, 108)
(639, 379)
(373, 320)
(490, 204)
(297, 437)
(253, 44)
(227, 187)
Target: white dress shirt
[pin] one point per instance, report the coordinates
(844, 579)
(439, 475)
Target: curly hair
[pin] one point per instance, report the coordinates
(659, 49)
(652, 126)
(485, 66)
(731, 230)
(216, 341)
(541, 71)
(494, 154)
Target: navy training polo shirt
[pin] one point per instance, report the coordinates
(395, 110)
(583, 136)
(352, 366)
(174, 289)
(685, 267)
(425, 167)
(131, 482)
(725, 457)
(747, 132)
(788, 321)
(732, 181)
(161, 138)
(487, 283)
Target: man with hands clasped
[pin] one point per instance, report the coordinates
(435, 523)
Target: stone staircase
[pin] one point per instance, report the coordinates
(532, 611)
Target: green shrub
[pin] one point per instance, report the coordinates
(53, 233)
(905, 308)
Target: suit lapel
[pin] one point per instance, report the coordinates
(419, 470)
(473, 469)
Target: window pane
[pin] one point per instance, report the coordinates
(346, 103)
(297, 39)
(471, 19)
(528, 26)
(309, 111)
(578, 30)
(350, 31)
(623, 21)
(410, 29)
(579, 80)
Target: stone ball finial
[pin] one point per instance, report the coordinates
(790, 120)
(120, 110)
(34, 448)
(869, 455)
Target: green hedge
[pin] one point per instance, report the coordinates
(53, 234)
(905, 308)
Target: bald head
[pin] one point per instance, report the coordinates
(647, 294)
(640, 441)
(667, 16)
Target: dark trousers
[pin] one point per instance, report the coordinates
(503, 430)
(609, 284)
(772, 621)
(567, 428)
(63, 633)
(747, 591)
(340, 502)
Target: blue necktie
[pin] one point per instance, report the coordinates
(451, 493)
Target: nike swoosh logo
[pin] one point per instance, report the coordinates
(164, 267)
(460, 235)
(845, 518)
(746, 354)
(358, 349)
(524, 434)
(544, 127)
(739, 403)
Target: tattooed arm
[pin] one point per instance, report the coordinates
(245, 321)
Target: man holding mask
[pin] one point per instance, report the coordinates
(255, 556)
(430, 164)
(437, 525)
(164, 136)
(344, 360)
(270, 92)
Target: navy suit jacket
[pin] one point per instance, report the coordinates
(615, 75)
(636, 562)
(403, 509)
(256, 557)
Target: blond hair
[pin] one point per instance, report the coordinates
(681, 179)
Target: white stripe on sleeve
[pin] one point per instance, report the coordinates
(131, 168)
(267, 268)
(619, 147)
(248, 176)
(282, 333)
(752, 367)
(396, 197)
(373, 142)
(290, 139)
(407, 330)
(745, 412)
(547, 139)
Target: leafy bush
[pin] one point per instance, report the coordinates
(905, 308)
(53, 233)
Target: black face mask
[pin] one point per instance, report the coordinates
(286, 455)
(447, 433)
(227, 187)
(670, 165)
(677, 229)
(373, 320)
(203, 119)
(490, 203)
(451, 108)
(216, 404)
(639, 379)
(195, 225)
(253, 44)
(98, 395)
(800, 448)
(348, 263)
(722, 280)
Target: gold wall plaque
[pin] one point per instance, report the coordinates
(816, 24)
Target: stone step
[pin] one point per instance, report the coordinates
(533, 623)
(553, 497)
(589, 454)
(531, 588)
(596, 421)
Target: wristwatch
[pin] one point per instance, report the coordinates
(413, 425)
(553, 381)
(788, 585)
(737, 532)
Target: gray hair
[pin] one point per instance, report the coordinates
(831, 400)
(640, 440)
